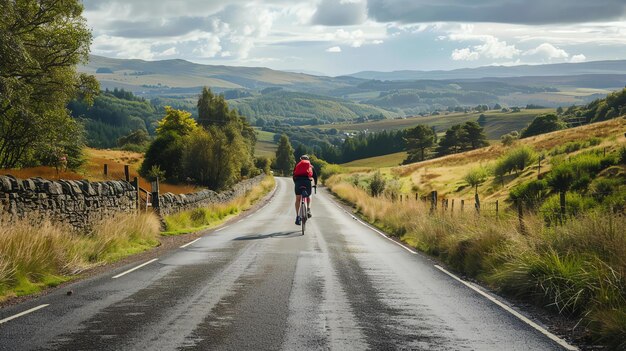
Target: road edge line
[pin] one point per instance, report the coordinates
(502, 305)
(23, 313)
(134, 269)
(189, 243)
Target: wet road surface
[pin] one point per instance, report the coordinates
(258, 284)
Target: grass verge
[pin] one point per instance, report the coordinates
(33, 257)
(215, 214)
(577, 269)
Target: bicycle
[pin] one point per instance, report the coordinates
(304, 207)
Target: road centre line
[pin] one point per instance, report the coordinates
(377, 231)
(189, 243)
(543, 331)
(134, 269)
(23, 313)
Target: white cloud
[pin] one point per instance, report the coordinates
(209, 47)
(464, 55)
(578, 58)
(334, 49)
(491, 48)
(547, 51)
(169, 52)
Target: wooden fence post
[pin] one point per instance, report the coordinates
(477, 203)
(135, 184)
(126, 173)
(106, 170)
(462, 205)
(155, 193)
(497, 208)
(416, 196)
(433, 201)
(452, 208)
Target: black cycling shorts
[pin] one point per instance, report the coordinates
(300, 183)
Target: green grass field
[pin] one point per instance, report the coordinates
(497, 124)
(265, 145)
(384, 161)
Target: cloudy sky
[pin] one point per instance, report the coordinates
(337, 37)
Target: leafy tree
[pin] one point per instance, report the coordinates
(560, 179)
(285, 162)
(475, 135)
(418, 139)
(543, 124)
(213, 109)
(482, 120)
(475, 177)
(41, 42)
(165, 152)
(509, 139)
(453, 141)
(377, 184)
(176, 121)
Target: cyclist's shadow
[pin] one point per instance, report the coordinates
(279, 235)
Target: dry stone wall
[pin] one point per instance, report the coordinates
(170, 203)
(78, 203)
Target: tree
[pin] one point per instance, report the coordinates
(543, 124)
(41, 43)
(213, 109)
(560, 179)
(419, 139)
(285, 162)
(482, 120)
(475, 177)
(137, 137)
(176, 121)
(509, 139)
(453, 141)
(474, 135)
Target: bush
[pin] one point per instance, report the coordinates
(330, 170)
(377, 184)
(574, 204)
(622, 155)
(531, 193)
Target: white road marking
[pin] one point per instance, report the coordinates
(511, 311)
(23, 313)
(189, 243)
(134, 269)
(377, 231)
(222, 228)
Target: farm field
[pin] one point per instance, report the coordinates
(265, 145)
(390, 160)
(497, 122)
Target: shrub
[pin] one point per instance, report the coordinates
(574, 204)
(622, 155)
(329, 170)
(476, 176)
(377, 184)
(531, 193)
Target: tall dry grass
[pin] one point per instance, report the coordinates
(34, 256)
(577, 269)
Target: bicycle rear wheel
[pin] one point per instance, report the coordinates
(303, 215)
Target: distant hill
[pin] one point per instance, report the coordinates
(308, 98)
(558, 69)
(170, 77)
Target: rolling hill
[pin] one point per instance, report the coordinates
(558, 69)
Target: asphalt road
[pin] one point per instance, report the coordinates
(258, 284)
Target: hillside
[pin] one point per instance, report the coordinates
(496, 123)
(545, 85)
(558, 69)
(176, 77)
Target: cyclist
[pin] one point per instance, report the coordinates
(303, 174)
